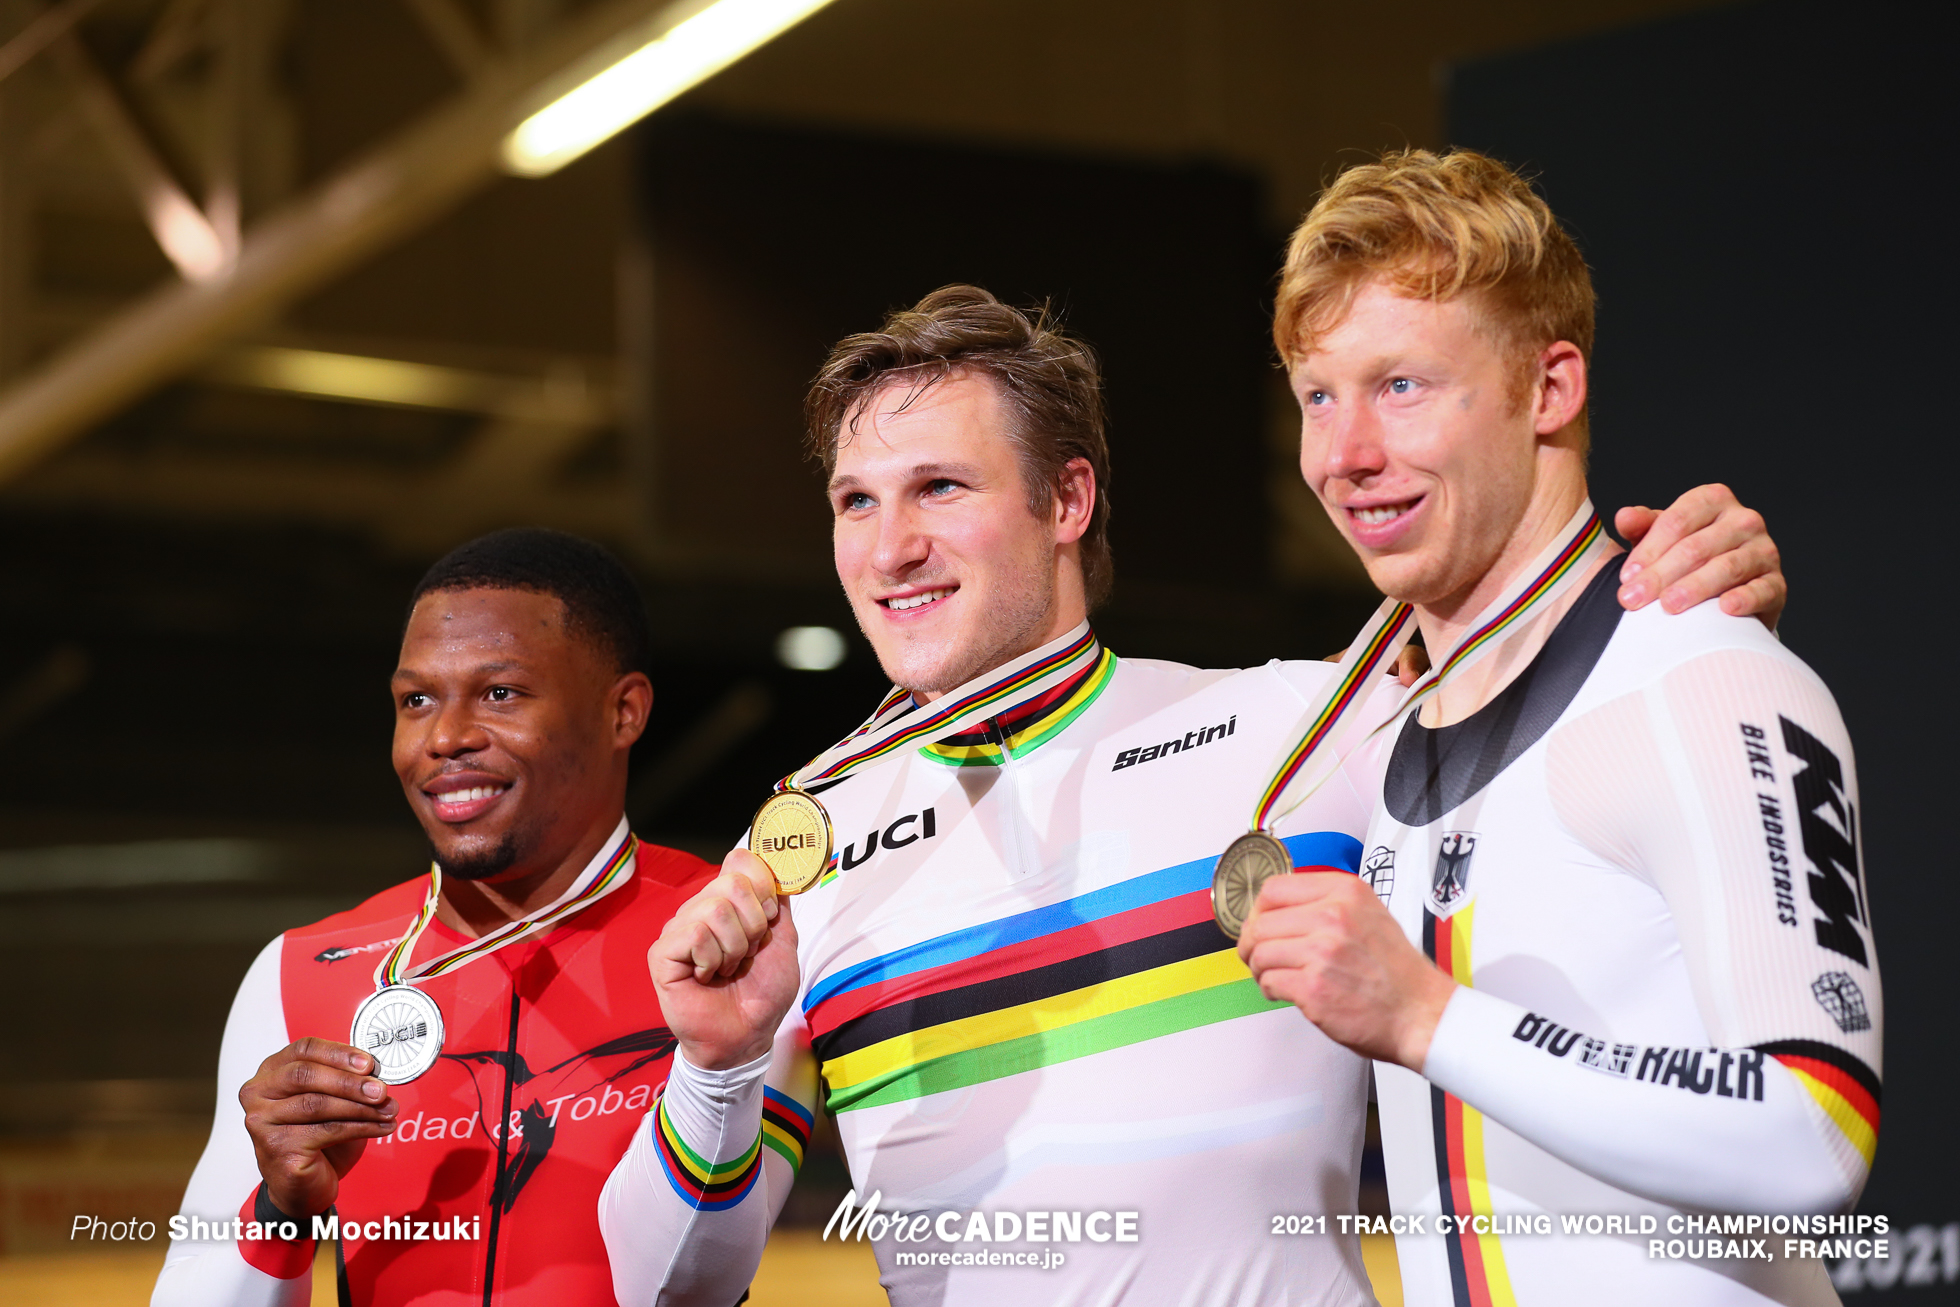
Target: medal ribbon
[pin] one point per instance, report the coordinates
(895, 725)
(592, 885)
(1320, 752)
(1374, 650)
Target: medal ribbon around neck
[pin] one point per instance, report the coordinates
(1538, 588)
(592, 885)
(892, 728)
(791, 831)
(1325, 744)
(1548, 577)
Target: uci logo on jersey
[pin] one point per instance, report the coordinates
(914, 825)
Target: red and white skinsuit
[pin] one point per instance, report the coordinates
(554, 1051)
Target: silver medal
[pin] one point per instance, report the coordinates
(401, 1028)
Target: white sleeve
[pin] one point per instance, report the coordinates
(210, 1272)
(1728, 785)
(686, 1212)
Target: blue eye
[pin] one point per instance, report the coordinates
(1317, 397)
(1401, 386)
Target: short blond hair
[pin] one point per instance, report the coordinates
(1435, 227)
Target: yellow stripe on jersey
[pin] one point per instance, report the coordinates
(1496, 1278)
(1038, 1017)
(1842, 1114)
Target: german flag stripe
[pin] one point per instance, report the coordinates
(1859, 1080)
(703, 1185)
(786, 1126)
(1478, 1276)
(1447, 1189)
(1842, 1085)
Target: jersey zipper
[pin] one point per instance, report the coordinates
(503, 1153)
(999, 737)
(1021, 839)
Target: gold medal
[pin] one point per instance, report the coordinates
(1247, 863)
(791, 833)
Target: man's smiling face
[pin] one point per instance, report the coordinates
(1414, 438)
(503, 733)
(949, 571)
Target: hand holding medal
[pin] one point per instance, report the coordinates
(400, 1026)
(1256, 857)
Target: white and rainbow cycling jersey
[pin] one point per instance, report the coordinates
(1016, 1002)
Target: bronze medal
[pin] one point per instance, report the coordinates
(791, 832)
(1247, 863)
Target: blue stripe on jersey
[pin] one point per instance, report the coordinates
(1320, 848)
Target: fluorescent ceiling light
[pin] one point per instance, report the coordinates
(186, 236)
(354, 377)
(682, 57)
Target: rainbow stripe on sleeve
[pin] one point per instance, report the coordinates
(786, 1126)
(703, 1185)
(1138, 960)
(1842, 1085)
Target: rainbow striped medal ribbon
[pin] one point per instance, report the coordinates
(400, 1026)
(791, 831)
(1257, 856)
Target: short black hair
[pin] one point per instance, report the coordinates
(602, 604)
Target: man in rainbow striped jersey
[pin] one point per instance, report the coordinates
(1624, 969)
(1051, 1074)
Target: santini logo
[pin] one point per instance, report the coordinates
(1191, 740)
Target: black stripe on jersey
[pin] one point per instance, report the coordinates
(1195, 940)
(1429, 935)
(1829, 1055)
(821, 786)
(1439, 1117)
(1431, 772)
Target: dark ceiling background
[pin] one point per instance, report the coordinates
(1757, 192)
